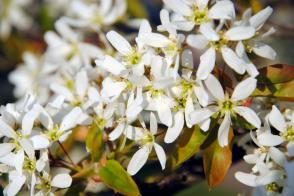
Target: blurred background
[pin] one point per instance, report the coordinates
(43, 13)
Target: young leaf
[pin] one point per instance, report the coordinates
(188, 145)
(94, 142)
(276, 81)
(137, 9)
(217, 161)
(116, 177)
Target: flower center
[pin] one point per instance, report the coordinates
(54, 134)
(289, 134)
(274, 188)
(199, 16)
(149, 138)
(29, 165)
(100, 122)
(133, 58)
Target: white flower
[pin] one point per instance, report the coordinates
(34, 75)
(132, 57)
(13, 15)
(96, 15)
(286, 129)
(55, 129)
(48, 185)
(69, 47)
(128, 114)
(191, 13)
(219, 42)
(147, 141)
(227, 107)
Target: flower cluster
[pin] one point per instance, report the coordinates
(121, 85)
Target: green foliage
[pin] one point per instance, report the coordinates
(188, 144)
(137, 9)
(94, 142)
(114, 176)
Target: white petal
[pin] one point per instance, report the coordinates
(214, 87)
(174, 131)
(164, 112)
(264, 50)
(70, 120)
(222, 10)
(202, 114)
(40, 142)
(251, 158)
(28, 147)
(134, 133)
(231, 58)
(277, 120)
(277, 156)
(178, 7)
(17, 181)
(116, 132)
(244, 89)
(259, 19)
(111, 65)
(154, 39)
(6, 148)
(81, 84)
(290, 148)
(153, 124)
(61, 181)
(245, 178)
(207, 30)
(6, 130)
(223, 132)
(138, 160)
(268, 139)
(249, 115)
(202, 4)
(28, 121)
(269, 177)
(240, 33)
(197, 41)
(160, 154)
(119, 42)
(202, 95)
(207, 62)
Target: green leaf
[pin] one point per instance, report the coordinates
(188, 144)
(276, 81)
(94, 142)
(137, 9)
(116, 177)
(217, 161)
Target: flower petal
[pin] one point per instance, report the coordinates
(223, 132)
(268, 139)
(160, 154)
(174, 131)
(138, 160)
(214, 87)
(70, 120)
(277, 156)
(240, 33)
(264, 50)
(153, 123)
(207, 30)
(207, 62)
(232, 60)
(259, 19)
(61, 181)
(245, 178)
(277, 120)
(244, 89)
(6, 148)
(249, 115)
(119, 42)
(111, 65)
(197, 41)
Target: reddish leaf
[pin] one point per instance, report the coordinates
(217, 161)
